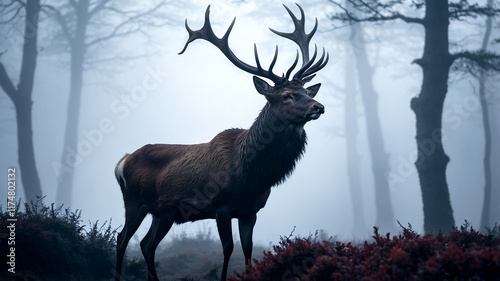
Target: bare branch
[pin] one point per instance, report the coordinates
(117, 59)
(117, 11)
(98, 7)
(62, 22)
(114, 34)
(14, 10)
(375, 11)
(417, 5)
(117, 30)
(474, 61)
(7, 84)
(5, 6)
(462, 9)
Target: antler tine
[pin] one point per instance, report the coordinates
(293, 66)
(257, 60)
(304, 67)
(302, 39)
(299, 35)
(273, 62)
(205, 32)
(256, 54)
(222, 44)
(318, 65)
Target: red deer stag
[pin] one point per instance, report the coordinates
(231, 176)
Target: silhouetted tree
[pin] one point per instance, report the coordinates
(436, 63)
(369, 98)
(86, 25)
(21, 94)
(487, 200)
(353, 157)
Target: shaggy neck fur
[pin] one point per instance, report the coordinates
(270, 150)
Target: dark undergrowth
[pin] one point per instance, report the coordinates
(465, 254)
(51, 243)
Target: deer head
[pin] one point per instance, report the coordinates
(287, 97)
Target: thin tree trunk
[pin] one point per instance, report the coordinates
(26, 152)
(21, 97)
(353, 158)
(485, 215)
(495, 164)
(71, 156)
(428, 107)
(380, 159)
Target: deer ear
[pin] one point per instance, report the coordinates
(262, 87)
(313, 90)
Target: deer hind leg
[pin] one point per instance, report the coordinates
(133, 220)
(223, 219)
(159, 228)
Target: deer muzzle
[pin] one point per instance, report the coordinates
(317, 110)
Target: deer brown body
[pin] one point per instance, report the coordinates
(229, 177)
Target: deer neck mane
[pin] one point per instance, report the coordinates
(271, 148)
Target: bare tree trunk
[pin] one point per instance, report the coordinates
(485, 215)
(435, 62)
(353, 158)
(495, 164)
(70, 157)
(428, 107)
(21, 97)
(74, 25)
(380, 159)
(26, 152)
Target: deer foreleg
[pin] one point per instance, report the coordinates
(223, 219)
(246, 230)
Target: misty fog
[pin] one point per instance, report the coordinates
(187, 99)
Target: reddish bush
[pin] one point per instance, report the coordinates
(465, 254)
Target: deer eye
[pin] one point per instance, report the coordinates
(287, 97)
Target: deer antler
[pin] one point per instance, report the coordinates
(303, 39)
(299, 36)
(207, 34)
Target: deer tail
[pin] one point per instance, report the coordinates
(119, 173)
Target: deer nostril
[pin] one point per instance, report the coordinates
(319, 108)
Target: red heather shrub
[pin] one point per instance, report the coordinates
(465, 254)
